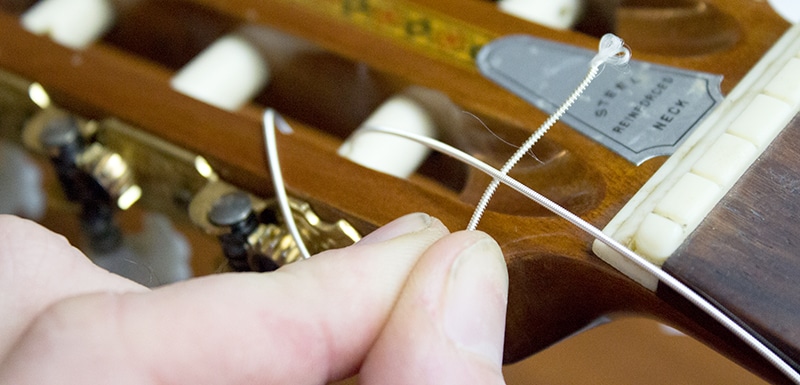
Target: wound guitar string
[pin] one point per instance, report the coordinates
(612, 51)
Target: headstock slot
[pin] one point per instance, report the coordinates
(169, 33)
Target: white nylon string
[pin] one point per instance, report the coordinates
(270, 121)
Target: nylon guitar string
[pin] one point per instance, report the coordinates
(612, 51)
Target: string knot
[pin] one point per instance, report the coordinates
(612, 50)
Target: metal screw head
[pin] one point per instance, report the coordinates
(230, 209)
(60, 132)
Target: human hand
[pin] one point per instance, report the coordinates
(408, 304)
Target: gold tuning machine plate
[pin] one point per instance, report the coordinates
(134, 166)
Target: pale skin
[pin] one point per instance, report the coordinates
(409, 304)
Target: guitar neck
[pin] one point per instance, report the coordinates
(729, 238)
(744, 256)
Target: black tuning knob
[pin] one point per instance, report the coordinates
(64, 144)
(235, 211)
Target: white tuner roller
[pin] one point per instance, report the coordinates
(71, 23)
(227, 74)
(386, 153)
(788, 9)
(557, 14)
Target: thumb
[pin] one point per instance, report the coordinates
(449, 323)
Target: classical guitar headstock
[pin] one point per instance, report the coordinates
(327, 66)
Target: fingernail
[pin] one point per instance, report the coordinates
(404, 225)
(475, 300)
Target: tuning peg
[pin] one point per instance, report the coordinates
(91, 175)
(558, 14)
(72, 23)
(389, 154)
(253, 231)
(227, 74)
(63, 142)
(234, 212)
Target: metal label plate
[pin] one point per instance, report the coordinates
(641, 111)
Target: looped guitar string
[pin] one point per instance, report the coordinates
(612, 51)
(270, 119)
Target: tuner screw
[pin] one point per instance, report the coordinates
(61, 132)
(234, 211)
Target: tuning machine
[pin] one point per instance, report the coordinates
(96, 178)
(95, 162)
(253, 233)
